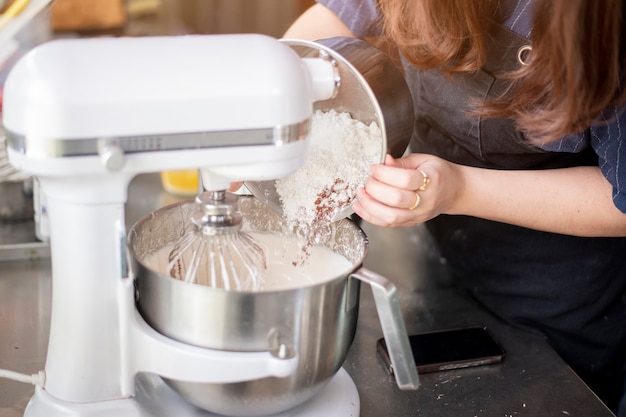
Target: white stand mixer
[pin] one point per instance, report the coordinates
(86, 116)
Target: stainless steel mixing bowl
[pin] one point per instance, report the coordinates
(315, 323)
(372, 89)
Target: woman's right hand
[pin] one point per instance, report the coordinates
(409, 190)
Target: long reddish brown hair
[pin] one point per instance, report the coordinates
(575, 68)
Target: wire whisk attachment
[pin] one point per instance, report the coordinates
(217, 253)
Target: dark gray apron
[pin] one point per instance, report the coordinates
(570, 289)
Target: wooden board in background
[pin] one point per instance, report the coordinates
(87, 15)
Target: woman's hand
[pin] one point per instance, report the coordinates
(409, 190)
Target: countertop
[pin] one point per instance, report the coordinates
(532, 381)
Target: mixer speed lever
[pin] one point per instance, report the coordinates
(111, 154)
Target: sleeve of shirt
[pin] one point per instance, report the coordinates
(361, 16)
(609, 142)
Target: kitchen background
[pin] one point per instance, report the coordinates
(153, 17)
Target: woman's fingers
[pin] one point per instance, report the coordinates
(407, 191)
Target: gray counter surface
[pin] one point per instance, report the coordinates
(532, 381)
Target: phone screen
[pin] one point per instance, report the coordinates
(449, 349)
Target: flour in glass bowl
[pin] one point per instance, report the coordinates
(341, 151)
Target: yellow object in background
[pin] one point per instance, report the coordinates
(181, 183)
(14, 9)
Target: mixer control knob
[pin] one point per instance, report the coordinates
(111, 155)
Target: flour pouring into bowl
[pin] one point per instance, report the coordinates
(339, 157)
(341, 151)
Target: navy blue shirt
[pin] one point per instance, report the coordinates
(362, 17)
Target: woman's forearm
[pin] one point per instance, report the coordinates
(573, 201)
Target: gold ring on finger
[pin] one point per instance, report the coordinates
(416, 202)
(425, 182)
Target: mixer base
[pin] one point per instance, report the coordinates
(339, 398)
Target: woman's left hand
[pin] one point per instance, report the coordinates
(409, 190)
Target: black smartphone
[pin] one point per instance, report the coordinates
(449, 349)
